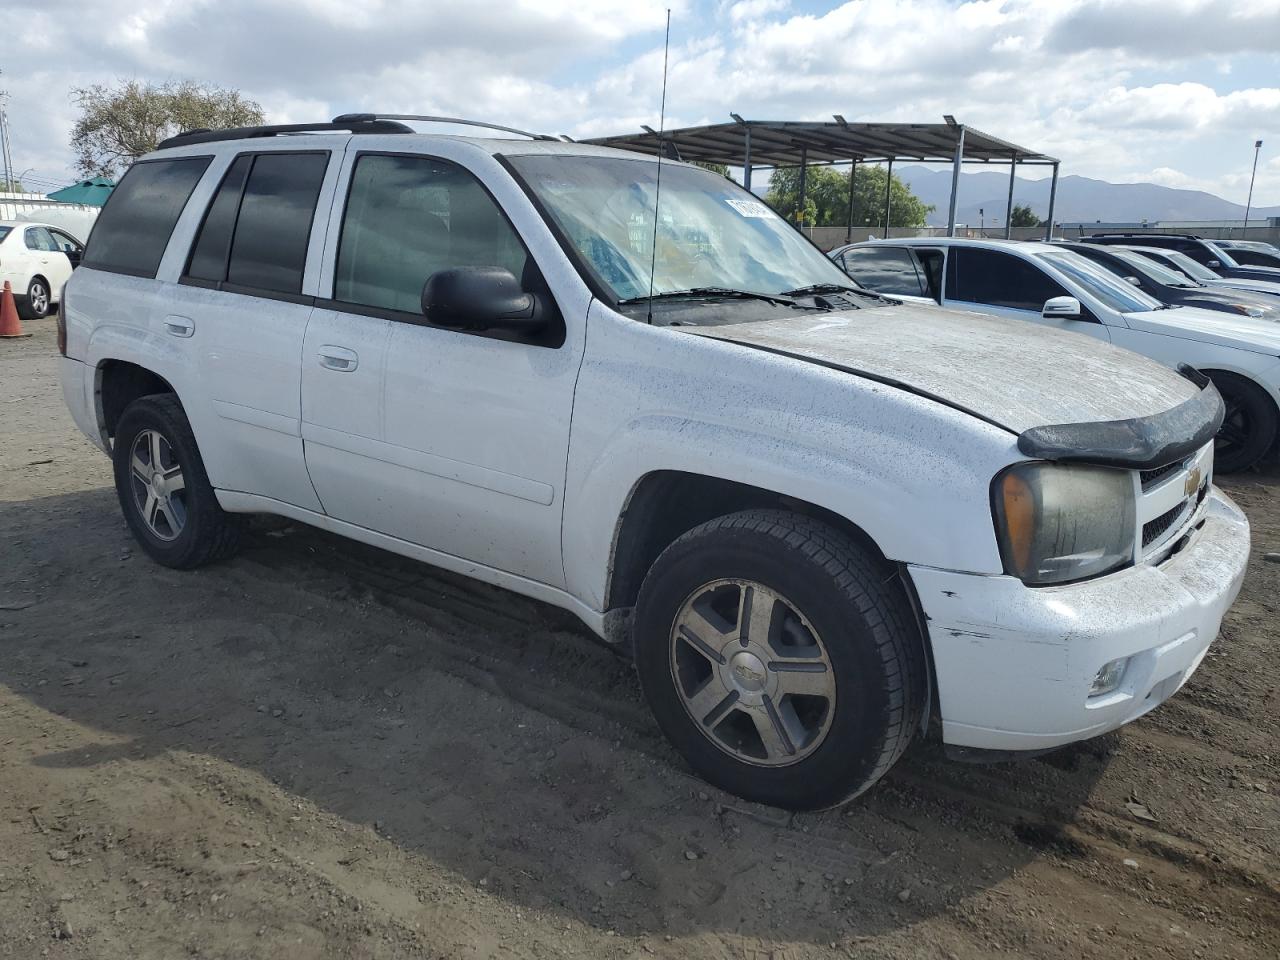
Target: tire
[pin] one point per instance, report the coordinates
(35, 304)
(188, 529)
(1249, 429)
(839, 612)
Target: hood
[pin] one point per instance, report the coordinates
(1255, 334)
(1239, 283)
(1010, 372)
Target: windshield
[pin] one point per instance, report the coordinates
(4, 232)
(1149, 268)
(1184, 263)
(711, 232)
(1107, 287)
(1223, 257)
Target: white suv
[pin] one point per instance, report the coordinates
(815, 516)
(37, 260)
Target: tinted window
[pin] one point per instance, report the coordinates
(38, 238)
(269, 249)
(885, 270)
(998, 279)
(209, 255)
(408, 217)
(1254, 258)
(4, 232)
(135, 225)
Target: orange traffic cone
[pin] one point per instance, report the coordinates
(10, 325)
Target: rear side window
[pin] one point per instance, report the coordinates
(258, 225)
(134, 227)
(885, 270)
(998, 279)
(38, 238)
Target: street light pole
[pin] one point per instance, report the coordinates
(1257, 147)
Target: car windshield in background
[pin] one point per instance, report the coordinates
(4, 232)
(1184, 263)
(1223, 257)
(1151, 269)
(711, 232)
(1107, 287)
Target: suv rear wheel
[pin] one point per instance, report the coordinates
(1249, 428)
(164, 490)
(779, 659)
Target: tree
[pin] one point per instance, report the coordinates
(119, 124)
(1022, 216)
(720, 168)
(826, 197)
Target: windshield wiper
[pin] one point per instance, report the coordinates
(724, 293)
(817, 289)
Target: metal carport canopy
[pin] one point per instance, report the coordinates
(750, 143)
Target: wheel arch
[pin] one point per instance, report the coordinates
(117, 383)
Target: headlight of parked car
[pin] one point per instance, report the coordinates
(1062, 522)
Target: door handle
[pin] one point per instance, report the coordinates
(179, 326)
(338, 358)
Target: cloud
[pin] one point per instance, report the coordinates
(1112, 88)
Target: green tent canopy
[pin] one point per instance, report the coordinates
(92, 192)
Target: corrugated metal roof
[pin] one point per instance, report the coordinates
(785, 143)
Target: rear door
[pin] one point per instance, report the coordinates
(994, 281)
(47, 260)
(450, 439)
(243, 302)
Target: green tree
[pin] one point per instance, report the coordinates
(720, 168)
(119, 124)
(827, 198)
(1022, 216)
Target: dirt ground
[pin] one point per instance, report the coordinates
(322, 750)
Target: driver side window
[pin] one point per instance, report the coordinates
(998, 279)
(409, 217)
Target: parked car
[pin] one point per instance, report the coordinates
(1180, 262)
(813, 515)
(1251, 253)
(1205, 252)
(1173, 288)
(36, 259)
(1053, 286)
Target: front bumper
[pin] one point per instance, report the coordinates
(1014, 664)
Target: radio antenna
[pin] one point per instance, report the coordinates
(657, 188)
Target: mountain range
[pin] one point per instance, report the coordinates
(1079, 199)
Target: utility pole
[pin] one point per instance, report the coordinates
(1257, 148)
(6, 155)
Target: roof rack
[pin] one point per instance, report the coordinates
(352, 124)
(377, 117)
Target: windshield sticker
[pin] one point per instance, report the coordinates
(751, 208)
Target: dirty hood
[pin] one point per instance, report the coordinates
(1012, 372)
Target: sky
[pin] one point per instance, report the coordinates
(1173, 92)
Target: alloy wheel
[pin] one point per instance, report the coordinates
(752, 673)
(159, 490)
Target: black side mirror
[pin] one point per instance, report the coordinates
(481, 298)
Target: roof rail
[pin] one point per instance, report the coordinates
(375, 117)
(353, 124)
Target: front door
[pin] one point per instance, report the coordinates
(994, 281)
(449, 439)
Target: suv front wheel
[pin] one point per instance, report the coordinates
(164, 490)
(780, 658)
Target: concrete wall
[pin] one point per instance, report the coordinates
(76, 218)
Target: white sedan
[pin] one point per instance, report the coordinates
(1049, 285)
(37, 260)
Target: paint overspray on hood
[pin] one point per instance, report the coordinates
(1011, 372)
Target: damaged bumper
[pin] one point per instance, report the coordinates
(1015, 665)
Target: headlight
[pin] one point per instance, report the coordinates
(1061, 522)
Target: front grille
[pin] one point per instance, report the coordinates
(1153, 530)
(1149, 477)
